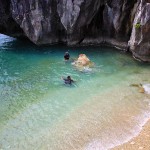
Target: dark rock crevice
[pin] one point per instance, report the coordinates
(7, 24)
(96, 25)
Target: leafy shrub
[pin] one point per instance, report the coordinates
(138, 25)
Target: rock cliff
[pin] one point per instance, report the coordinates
(124, 24)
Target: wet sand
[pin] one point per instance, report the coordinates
(86, 130)
(140, 142)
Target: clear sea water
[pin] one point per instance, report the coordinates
(39, 112)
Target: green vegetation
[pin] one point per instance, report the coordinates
(138, 25)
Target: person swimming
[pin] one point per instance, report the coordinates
(68, 80)
(66, 56)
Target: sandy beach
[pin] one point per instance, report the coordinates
(142, 141)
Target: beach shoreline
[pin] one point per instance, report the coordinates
(141, 141)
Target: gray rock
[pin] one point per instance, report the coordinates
(140, 38)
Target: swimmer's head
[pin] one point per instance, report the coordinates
(68, 77)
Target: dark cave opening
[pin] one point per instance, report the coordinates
(96, 25)
(94, 28)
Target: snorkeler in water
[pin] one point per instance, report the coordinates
(67, 56)
(68, 80)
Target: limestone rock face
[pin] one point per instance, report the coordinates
(39, 20)
(123, 24)
(140, 38)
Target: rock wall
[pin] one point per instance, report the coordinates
(140, 38)
(121, 23)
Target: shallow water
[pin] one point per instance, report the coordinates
(37, 111)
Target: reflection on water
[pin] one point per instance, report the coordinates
(37, 111)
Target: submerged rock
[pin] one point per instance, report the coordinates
(83, 63)
(122, 24)
(143, 88)
(147, 88)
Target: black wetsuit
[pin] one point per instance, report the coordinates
(66, 56)
(68, 81)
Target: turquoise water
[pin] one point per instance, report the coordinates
(37, 111)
